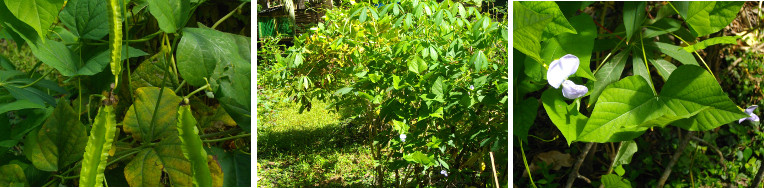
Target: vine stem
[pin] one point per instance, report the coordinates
(38, 79)
(674, 158)
(525, 162)
(574, 174)
(227, 138)
(228, 15)
(197, 91)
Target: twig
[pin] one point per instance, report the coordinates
(493, 167)
(716, 149)
(574, 173)
(585, 179)
(677, 154)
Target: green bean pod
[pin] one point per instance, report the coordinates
(192, 147)
(97, 150)
(115, 38)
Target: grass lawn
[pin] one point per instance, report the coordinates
(314, 148)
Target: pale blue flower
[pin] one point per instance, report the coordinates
(749, 111)
(403, 137)
(444, 172)
(558, 73)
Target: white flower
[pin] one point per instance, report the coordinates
(749, 111)
(403, 137)
(444, 172)
(558, 73)
(472, 87)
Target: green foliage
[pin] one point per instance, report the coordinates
(86, 18)
(59, 142)
(45, 115)
(438, 68)
(39, 14)
(625, 97)
(170, 14)
(144, 120)
(11, 175)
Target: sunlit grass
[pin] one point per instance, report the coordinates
(314, 148)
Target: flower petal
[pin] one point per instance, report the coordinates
(750, 109)
(561, 69)
(554, 74)
(572, 91)
(569, 64)
(754, 117)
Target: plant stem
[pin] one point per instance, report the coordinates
(180, 86)
(197, 91)
(122, 157)
(574, 174)
(38, 79)
(677, 154)
(50, 182)
(525, 162)
(227, 138)
(228, 15)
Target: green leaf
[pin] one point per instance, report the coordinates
(664, 67)
(150, 73)
(633, 17)
(661, 27)
(417, 65)
(204, 52)
(625, 152)
(86, 18)
(620, 109)
(615, 181)
(362, 18)
(18, 105)
(438, 89)
(558, 25)
(527, 28)
(524, 117)
(690, 89)
(139, 116)
(145, 170)
(706, 17)
(420, 158)
(11, 175)
(580, 45)
(40, 14)
(345, 90)
(97, 149)
(712, 41)
(56, 55)
(674, 51)
(609, 73)
(59, 142)
(640, 68)
(236, 167)
(192, 147)
(566, 117)
(171, 15)
(234, 92)
(480, 61)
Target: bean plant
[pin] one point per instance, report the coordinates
(426, 81)
(150, 93)
(652, 76)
